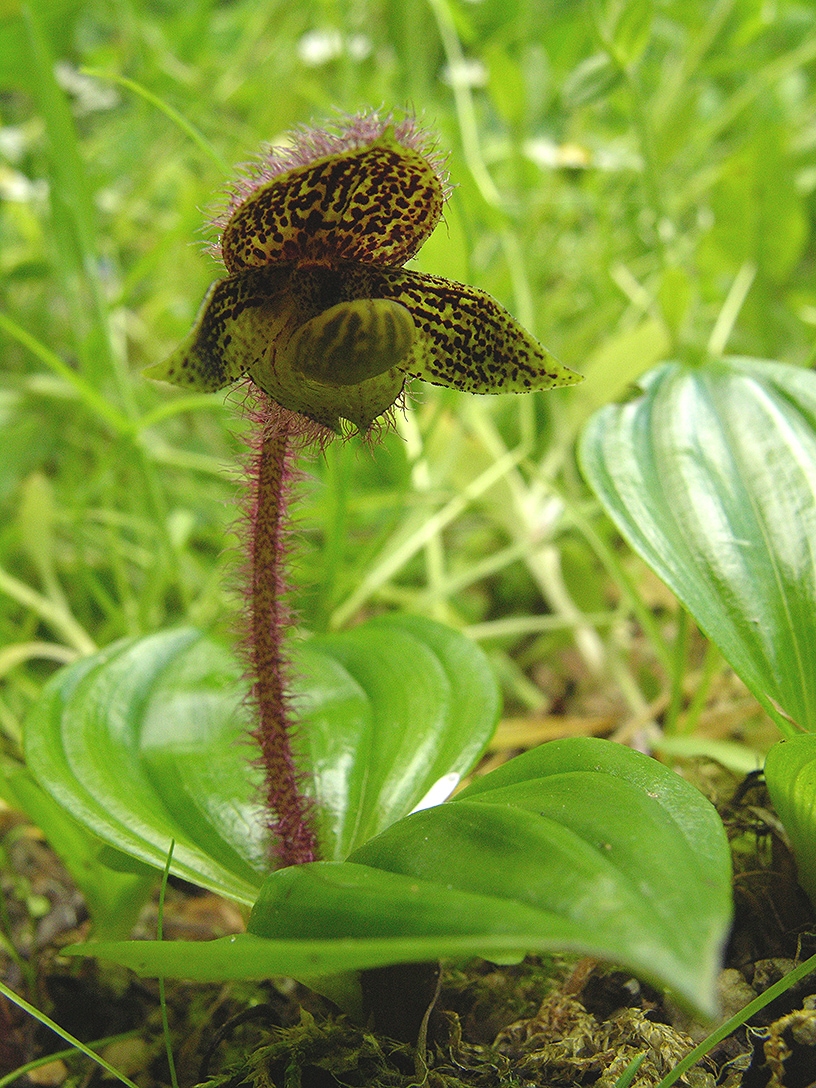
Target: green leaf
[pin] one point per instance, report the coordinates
(580, 845)
(432, 705)
(790, 772)
(710, 476)
(96, 741)
(142, 743)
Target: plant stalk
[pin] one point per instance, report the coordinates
(294, 841)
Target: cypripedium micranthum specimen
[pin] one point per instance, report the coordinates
(317, 308)
(319, 313)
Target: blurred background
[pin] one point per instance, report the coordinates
(635, 181)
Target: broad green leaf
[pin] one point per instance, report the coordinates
(432, 706)
(145, 742)
(710, 475)
(580, 845)
(96, 741)
(790, 772)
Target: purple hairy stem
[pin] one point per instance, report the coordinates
(288, 809)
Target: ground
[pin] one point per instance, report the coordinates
(552, 1021)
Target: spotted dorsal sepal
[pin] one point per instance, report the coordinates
(373, 205)
(352, 341)
(237, 322)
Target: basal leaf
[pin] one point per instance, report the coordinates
(790, 772)
(580, 845)
(145, 742)
(710, 475)
(432, 706)
(95, 742)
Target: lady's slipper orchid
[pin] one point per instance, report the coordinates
(317, 308)
(318, 311)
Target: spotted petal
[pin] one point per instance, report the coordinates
(465, 339)
(339, 343)
(238, 320)
(375, 205)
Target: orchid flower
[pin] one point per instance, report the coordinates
(317, 307)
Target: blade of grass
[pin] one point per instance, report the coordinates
(757, 83)
(736, 1021)
(61, 1055)
(162, 1001)
(622, 578)
(186, 126)
(471, 146)
(93, 400)
(74, 219)
(20, 652)
(520, 626)
(75, 238)
(727, 317)
(526, 524)
(678, 673)
(194, 403)
(57, 618)
(46, 1021)
(422, 484)
(390, 562)
(628, 1075)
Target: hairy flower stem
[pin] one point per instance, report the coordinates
(288, 808)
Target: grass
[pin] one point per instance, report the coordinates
(632, 180)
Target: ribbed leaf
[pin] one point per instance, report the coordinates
(580, 845)
(710, 475)
(790, 772)
(143, 743)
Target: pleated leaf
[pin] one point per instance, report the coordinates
(580, 845)
(710, 475)
(790, 772)
(145, 742)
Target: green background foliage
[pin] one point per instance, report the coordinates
(634, 181)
